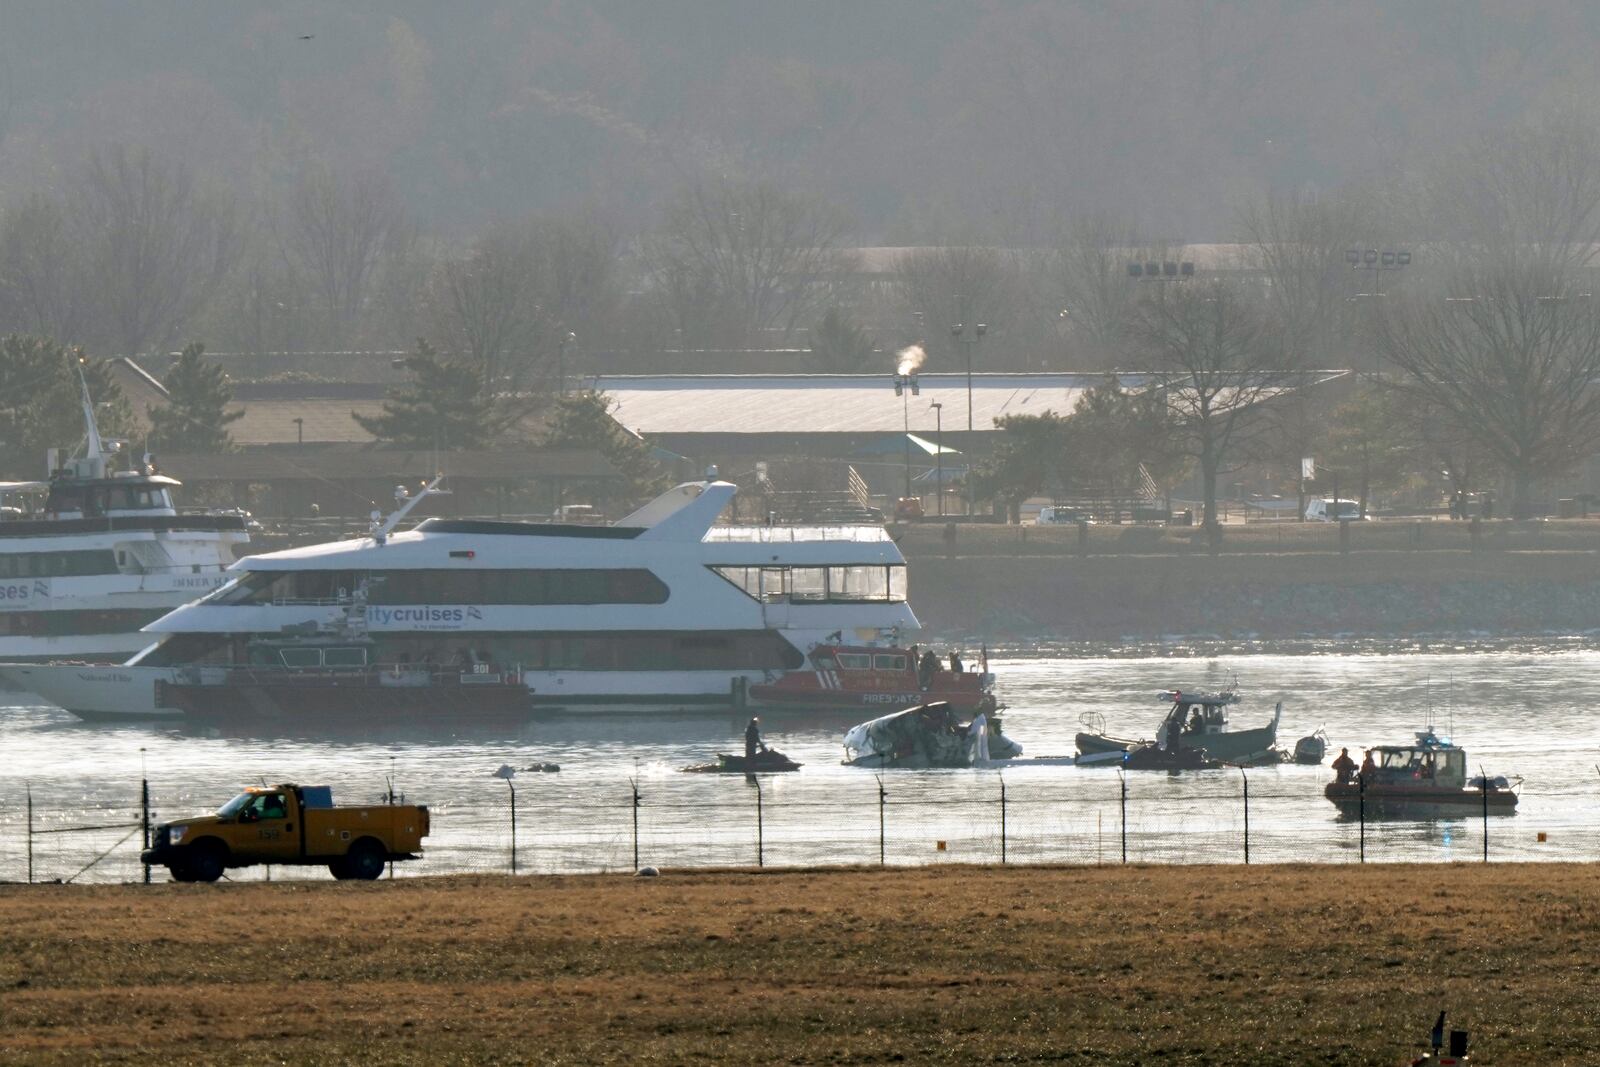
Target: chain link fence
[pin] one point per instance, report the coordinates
(53, 833)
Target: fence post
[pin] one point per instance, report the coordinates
(761, 847)
(513, 825)
(1483, 787)
(882, 799)
(1124, 779)
(1002, 818)
(144, 813)
(634, 783)
(1361, 807)
(1246, 778)
(30, 833)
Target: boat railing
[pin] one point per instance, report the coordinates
(373, 676)
(793, 534)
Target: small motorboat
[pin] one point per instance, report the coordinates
(1311, 749)
(769, 761)
(1425, 780)
(1197, 721)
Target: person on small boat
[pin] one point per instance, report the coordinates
(955, 663)
(1368, 767)
(752, 739)
(927, 668)
(1344, 767)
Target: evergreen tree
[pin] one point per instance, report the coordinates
(196, 416)
(583, 420)
(1030, 455)
(443, 406)
(41, 402)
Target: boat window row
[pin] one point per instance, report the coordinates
(680, 650)
(73, 623)
(57, 564)
(96, 500)
(438, 586)
(861, 661)
(872, 582)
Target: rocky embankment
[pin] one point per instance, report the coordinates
(1376, 594)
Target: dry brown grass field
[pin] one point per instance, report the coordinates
(1092, 965)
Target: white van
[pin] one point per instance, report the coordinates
(1060, 515)
(1329, 510)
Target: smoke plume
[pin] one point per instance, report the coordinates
(909, 360)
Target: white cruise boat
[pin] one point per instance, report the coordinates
(92, 555)
(663, 611)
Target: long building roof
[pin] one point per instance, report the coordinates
(843, 403)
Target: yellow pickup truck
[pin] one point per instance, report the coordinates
(289, 824)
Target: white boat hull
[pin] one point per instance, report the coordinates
(97, 694)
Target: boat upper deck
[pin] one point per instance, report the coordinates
(766, 535)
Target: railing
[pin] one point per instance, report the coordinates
(790, 534)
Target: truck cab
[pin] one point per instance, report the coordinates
(289, 824)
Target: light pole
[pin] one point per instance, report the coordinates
(509, 772)
(959, 332)
(906, 387)
(1371, 259)
(938, 451)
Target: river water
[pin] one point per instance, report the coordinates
(1526, 712)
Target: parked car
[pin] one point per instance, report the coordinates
(1330, 510)
(908, 509)
(1060, 515)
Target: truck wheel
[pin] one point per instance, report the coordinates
(206, 863)
(180, 873)
(338, 869)
(365, 860)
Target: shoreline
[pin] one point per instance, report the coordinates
(1342, 964)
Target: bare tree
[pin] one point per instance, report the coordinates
(155, 242)
(753, 254)
(1087, 273)
(40, 292)
(1300, 249)
(1505, 341)
(1209, 343)
(522, 296)
(1514, 364)
(964, 284)
(490, 301)
(338, 231)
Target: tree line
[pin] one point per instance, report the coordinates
(1484, 335)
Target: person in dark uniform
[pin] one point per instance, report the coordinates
(752, 739)
(955, 663)
(927, 668)
(1344, 767)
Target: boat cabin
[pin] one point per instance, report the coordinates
(1200, 713)
(131, 495)
(1430, 761)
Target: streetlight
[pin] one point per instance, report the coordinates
(938, 450)
(509, 772)
(959, 332)
(1377, 262)
(906, 387)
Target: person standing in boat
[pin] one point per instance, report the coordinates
(1368, 768)
(1344, 767)
(752, 739)
(927, 668)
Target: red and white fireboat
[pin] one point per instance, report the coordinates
(881, 678)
